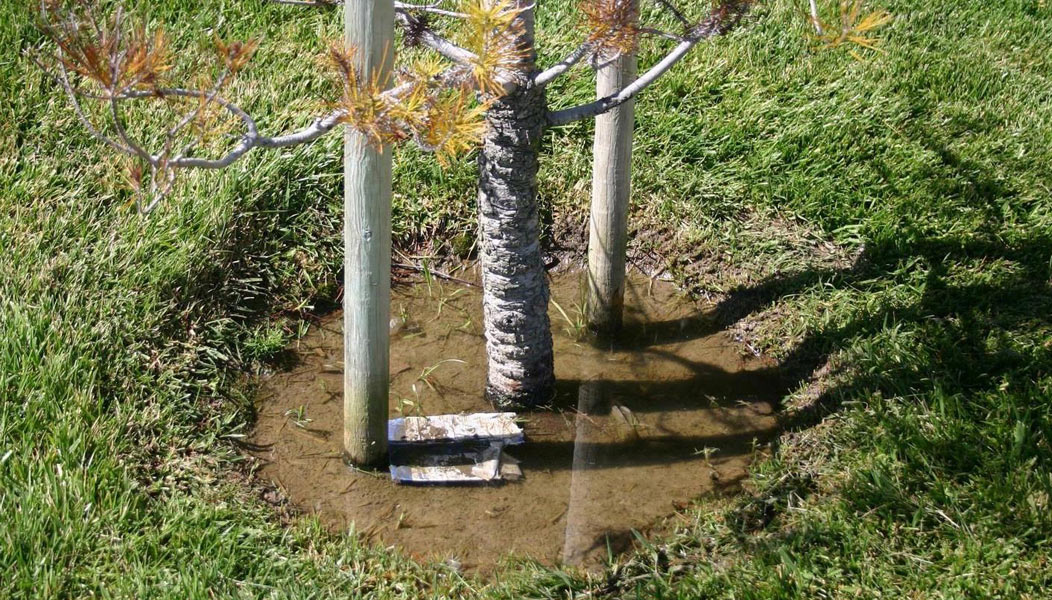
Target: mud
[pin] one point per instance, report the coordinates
(671, 413)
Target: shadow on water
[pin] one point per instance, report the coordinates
(672, 412)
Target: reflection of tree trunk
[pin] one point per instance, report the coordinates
(515, 290)
(585, 525)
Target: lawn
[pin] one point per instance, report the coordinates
(883, 227)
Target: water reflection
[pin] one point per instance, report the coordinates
(668, 414)
(584, 525)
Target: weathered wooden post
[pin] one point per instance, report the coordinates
(369, 28)
(611, 188)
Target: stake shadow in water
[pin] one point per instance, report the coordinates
(665, 450)
(604, 440)
(978, 293)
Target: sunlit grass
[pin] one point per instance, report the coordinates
(891, 213)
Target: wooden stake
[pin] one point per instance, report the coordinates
(369, 28)
(611, 189)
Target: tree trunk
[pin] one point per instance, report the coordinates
(611, 188)
(367, 252)
(515, 298)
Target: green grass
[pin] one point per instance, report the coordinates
(883, 227)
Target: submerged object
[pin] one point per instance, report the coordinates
(453, 449)
(444, 467)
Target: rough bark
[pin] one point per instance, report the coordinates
(611, 189)
(367, 253)
(515, 297)
(521, 371)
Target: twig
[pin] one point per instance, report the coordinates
(719, 22)
(401, 7)
(814, 17)
(438, 274)
(438, 43)
(547, 76)
(675, 12)
(661, 34)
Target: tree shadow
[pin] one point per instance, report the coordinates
(952, 342)
(958, 312)
(966, 297)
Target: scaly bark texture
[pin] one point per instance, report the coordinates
(515, 299)
(521, 370)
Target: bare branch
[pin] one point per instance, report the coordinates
(319, 127)
(432, 40)
(311, 3)
(192, 116)
(115, 62)
(718, 22)
(428, 8)
(593, 109)
(248, 141)
(119, 126)
(400, 7)
(157, 193)
(675, 13)
(115, 67)
(815, 20)
(548, 75)
(251, 138)
(413, 26)
(662, 34)
(71, 92)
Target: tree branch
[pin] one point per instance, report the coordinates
(548, 75)
(719, 22)
(428, 8)
(251, 139)
(119, 126)
(675, 13)
(661, 34)
(128, 68)
(191, 116)
(815, 20)
(312, 3)
(432, 40)
(63, 80)
(400, 7)
(409, 22)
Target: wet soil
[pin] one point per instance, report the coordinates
(671, 412)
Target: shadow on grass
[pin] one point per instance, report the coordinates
(969, 336)
(962, 352)
(246, 280)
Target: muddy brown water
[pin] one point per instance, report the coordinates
(671, 413)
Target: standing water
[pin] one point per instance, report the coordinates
(670, 412)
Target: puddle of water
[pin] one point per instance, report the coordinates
(669, 413)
